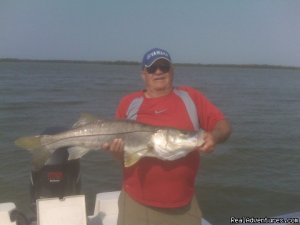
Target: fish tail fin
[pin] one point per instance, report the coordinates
(33, 144)
(30, 143)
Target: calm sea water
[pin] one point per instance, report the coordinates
(256, 173)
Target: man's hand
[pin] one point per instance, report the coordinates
(116, 147)
(209, 143)
(220, 133)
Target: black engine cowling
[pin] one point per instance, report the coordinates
(59, 176)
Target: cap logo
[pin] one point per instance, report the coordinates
(157, 52)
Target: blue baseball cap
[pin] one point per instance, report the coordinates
(153, 55)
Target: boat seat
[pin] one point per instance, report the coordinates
(106, 209)
(5, 211)
(67, 211)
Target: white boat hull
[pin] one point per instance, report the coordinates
(72, 211)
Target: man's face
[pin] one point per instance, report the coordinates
(159, 76)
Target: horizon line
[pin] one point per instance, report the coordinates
(125, 62)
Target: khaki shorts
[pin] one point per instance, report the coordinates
(133, 213)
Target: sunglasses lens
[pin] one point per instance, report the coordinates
(162, 68)
(151, 69)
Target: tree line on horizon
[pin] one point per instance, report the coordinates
(124, 62)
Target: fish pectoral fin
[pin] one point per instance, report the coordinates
(131, 158)
(77, 152)
(84, 119)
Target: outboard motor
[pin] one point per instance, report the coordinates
(59, 176)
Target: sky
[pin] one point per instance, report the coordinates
(193, 31)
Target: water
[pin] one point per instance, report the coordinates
(256, 173)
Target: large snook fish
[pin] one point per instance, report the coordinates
(89, 133)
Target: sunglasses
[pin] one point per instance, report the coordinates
(162, 67)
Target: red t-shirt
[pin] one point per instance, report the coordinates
(154, 182)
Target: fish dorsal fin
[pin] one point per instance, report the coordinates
(84, 119)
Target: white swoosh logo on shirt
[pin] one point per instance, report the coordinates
(160, 111)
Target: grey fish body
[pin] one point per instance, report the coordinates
(140, 141)
(93, 135)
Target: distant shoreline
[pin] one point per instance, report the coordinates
(120, 62)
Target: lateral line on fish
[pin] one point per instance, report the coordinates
(91, 135)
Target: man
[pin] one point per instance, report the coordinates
(156, 191)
